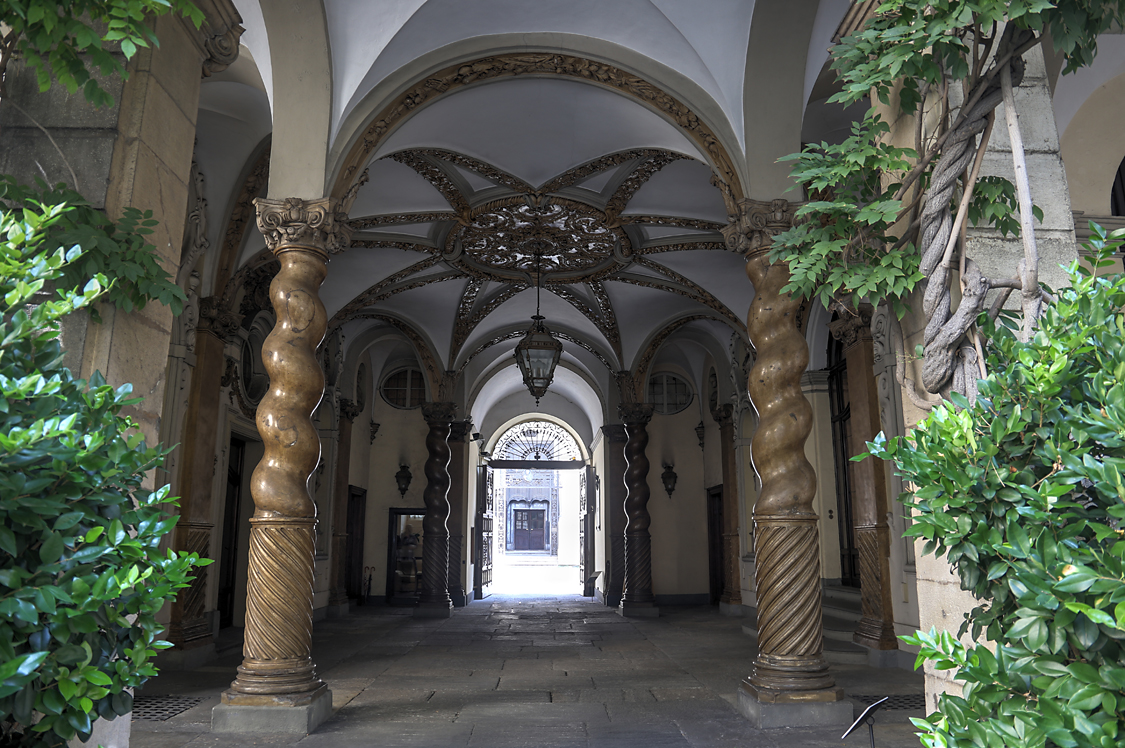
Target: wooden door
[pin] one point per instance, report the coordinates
(520, 530)
(536, 521)
(353, 551)
(715, 542)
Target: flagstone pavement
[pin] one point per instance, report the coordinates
(555, 671)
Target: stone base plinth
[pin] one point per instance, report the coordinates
(734, 610)
(433, 610)
(638, 610)
(338, 610)
(296, 714)
(803, 709)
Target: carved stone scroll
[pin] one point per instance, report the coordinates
(790, 666)
(278, 669)
(637, 598)
(434, 600)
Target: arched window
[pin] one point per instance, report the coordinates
(668, 393)
(405, 388)
(536, 440)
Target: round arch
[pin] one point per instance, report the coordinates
(370, 131)
(512, 423)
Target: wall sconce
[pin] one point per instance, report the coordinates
(403, 478)
(668, 478)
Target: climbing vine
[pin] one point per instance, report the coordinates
(884, 219)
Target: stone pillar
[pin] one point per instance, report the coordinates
(637, 598)
(790, 684)
(277, 687)
(190, 623)
(458, 492)
(876, 628)
(338, 596)
(614, 503)
(730, 601)
(433, 601)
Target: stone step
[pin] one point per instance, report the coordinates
(844, 653)
(842, 602)
(838, 628)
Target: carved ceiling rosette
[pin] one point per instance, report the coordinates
(513, 237)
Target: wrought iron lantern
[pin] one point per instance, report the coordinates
(538, 353)
(403, 478)
(668, 478)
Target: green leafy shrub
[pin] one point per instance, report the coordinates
(1023, 494)
(81, 573)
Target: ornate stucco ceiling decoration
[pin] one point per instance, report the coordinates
(574, 235)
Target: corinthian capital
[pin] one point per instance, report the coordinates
(312, 224)
(756, 223)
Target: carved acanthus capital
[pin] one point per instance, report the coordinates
(756, 223)
(459, 430)
(219, 34)
(439, 412)
(217, 319)
(626, 386)
(349, 409)
(320, 225)
(635, 414)
(852, 326)
(723, 414)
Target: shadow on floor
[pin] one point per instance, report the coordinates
(545, 672)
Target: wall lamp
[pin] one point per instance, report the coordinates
(403, 478)
(668, 478)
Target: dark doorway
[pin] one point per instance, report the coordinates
(529, 524)
(715, 542)
(841, 438)
(353, 550)
(232, 510)
(404, 558)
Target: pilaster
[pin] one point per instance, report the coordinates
(459, 432)
(730, 601)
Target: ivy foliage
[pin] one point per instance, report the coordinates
(116, 249)
(81, 574)
(1023, 493)
(856, 241)
(68, 40)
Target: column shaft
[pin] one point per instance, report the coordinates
(732, 581)
(869, 490)
(338, 596)
(434, 597)
(278, 669)
(637, 598)
(458, 493)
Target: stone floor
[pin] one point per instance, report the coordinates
(526, 671)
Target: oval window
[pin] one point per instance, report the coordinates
(668, 393)
(405, 388)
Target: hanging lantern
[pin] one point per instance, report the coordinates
(537, 356)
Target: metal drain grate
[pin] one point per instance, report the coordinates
(909, 701)
(160, 708)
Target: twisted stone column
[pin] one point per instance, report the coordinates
(790, 674)
(278, 669)
(458, 477)
(433, 600)
(637, 599)
(869, 490)
(730, 602)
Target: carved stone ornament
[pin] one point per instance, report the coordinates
(635, 413)
(313, 224)
(374, 430)
(756, 223)
(219, 35)
(217, 319)
(852, 325)
(459, 430)
(439, 412)
(723, 413)
(349, 409)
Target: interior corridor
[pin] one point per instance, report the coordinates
(529, 671)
